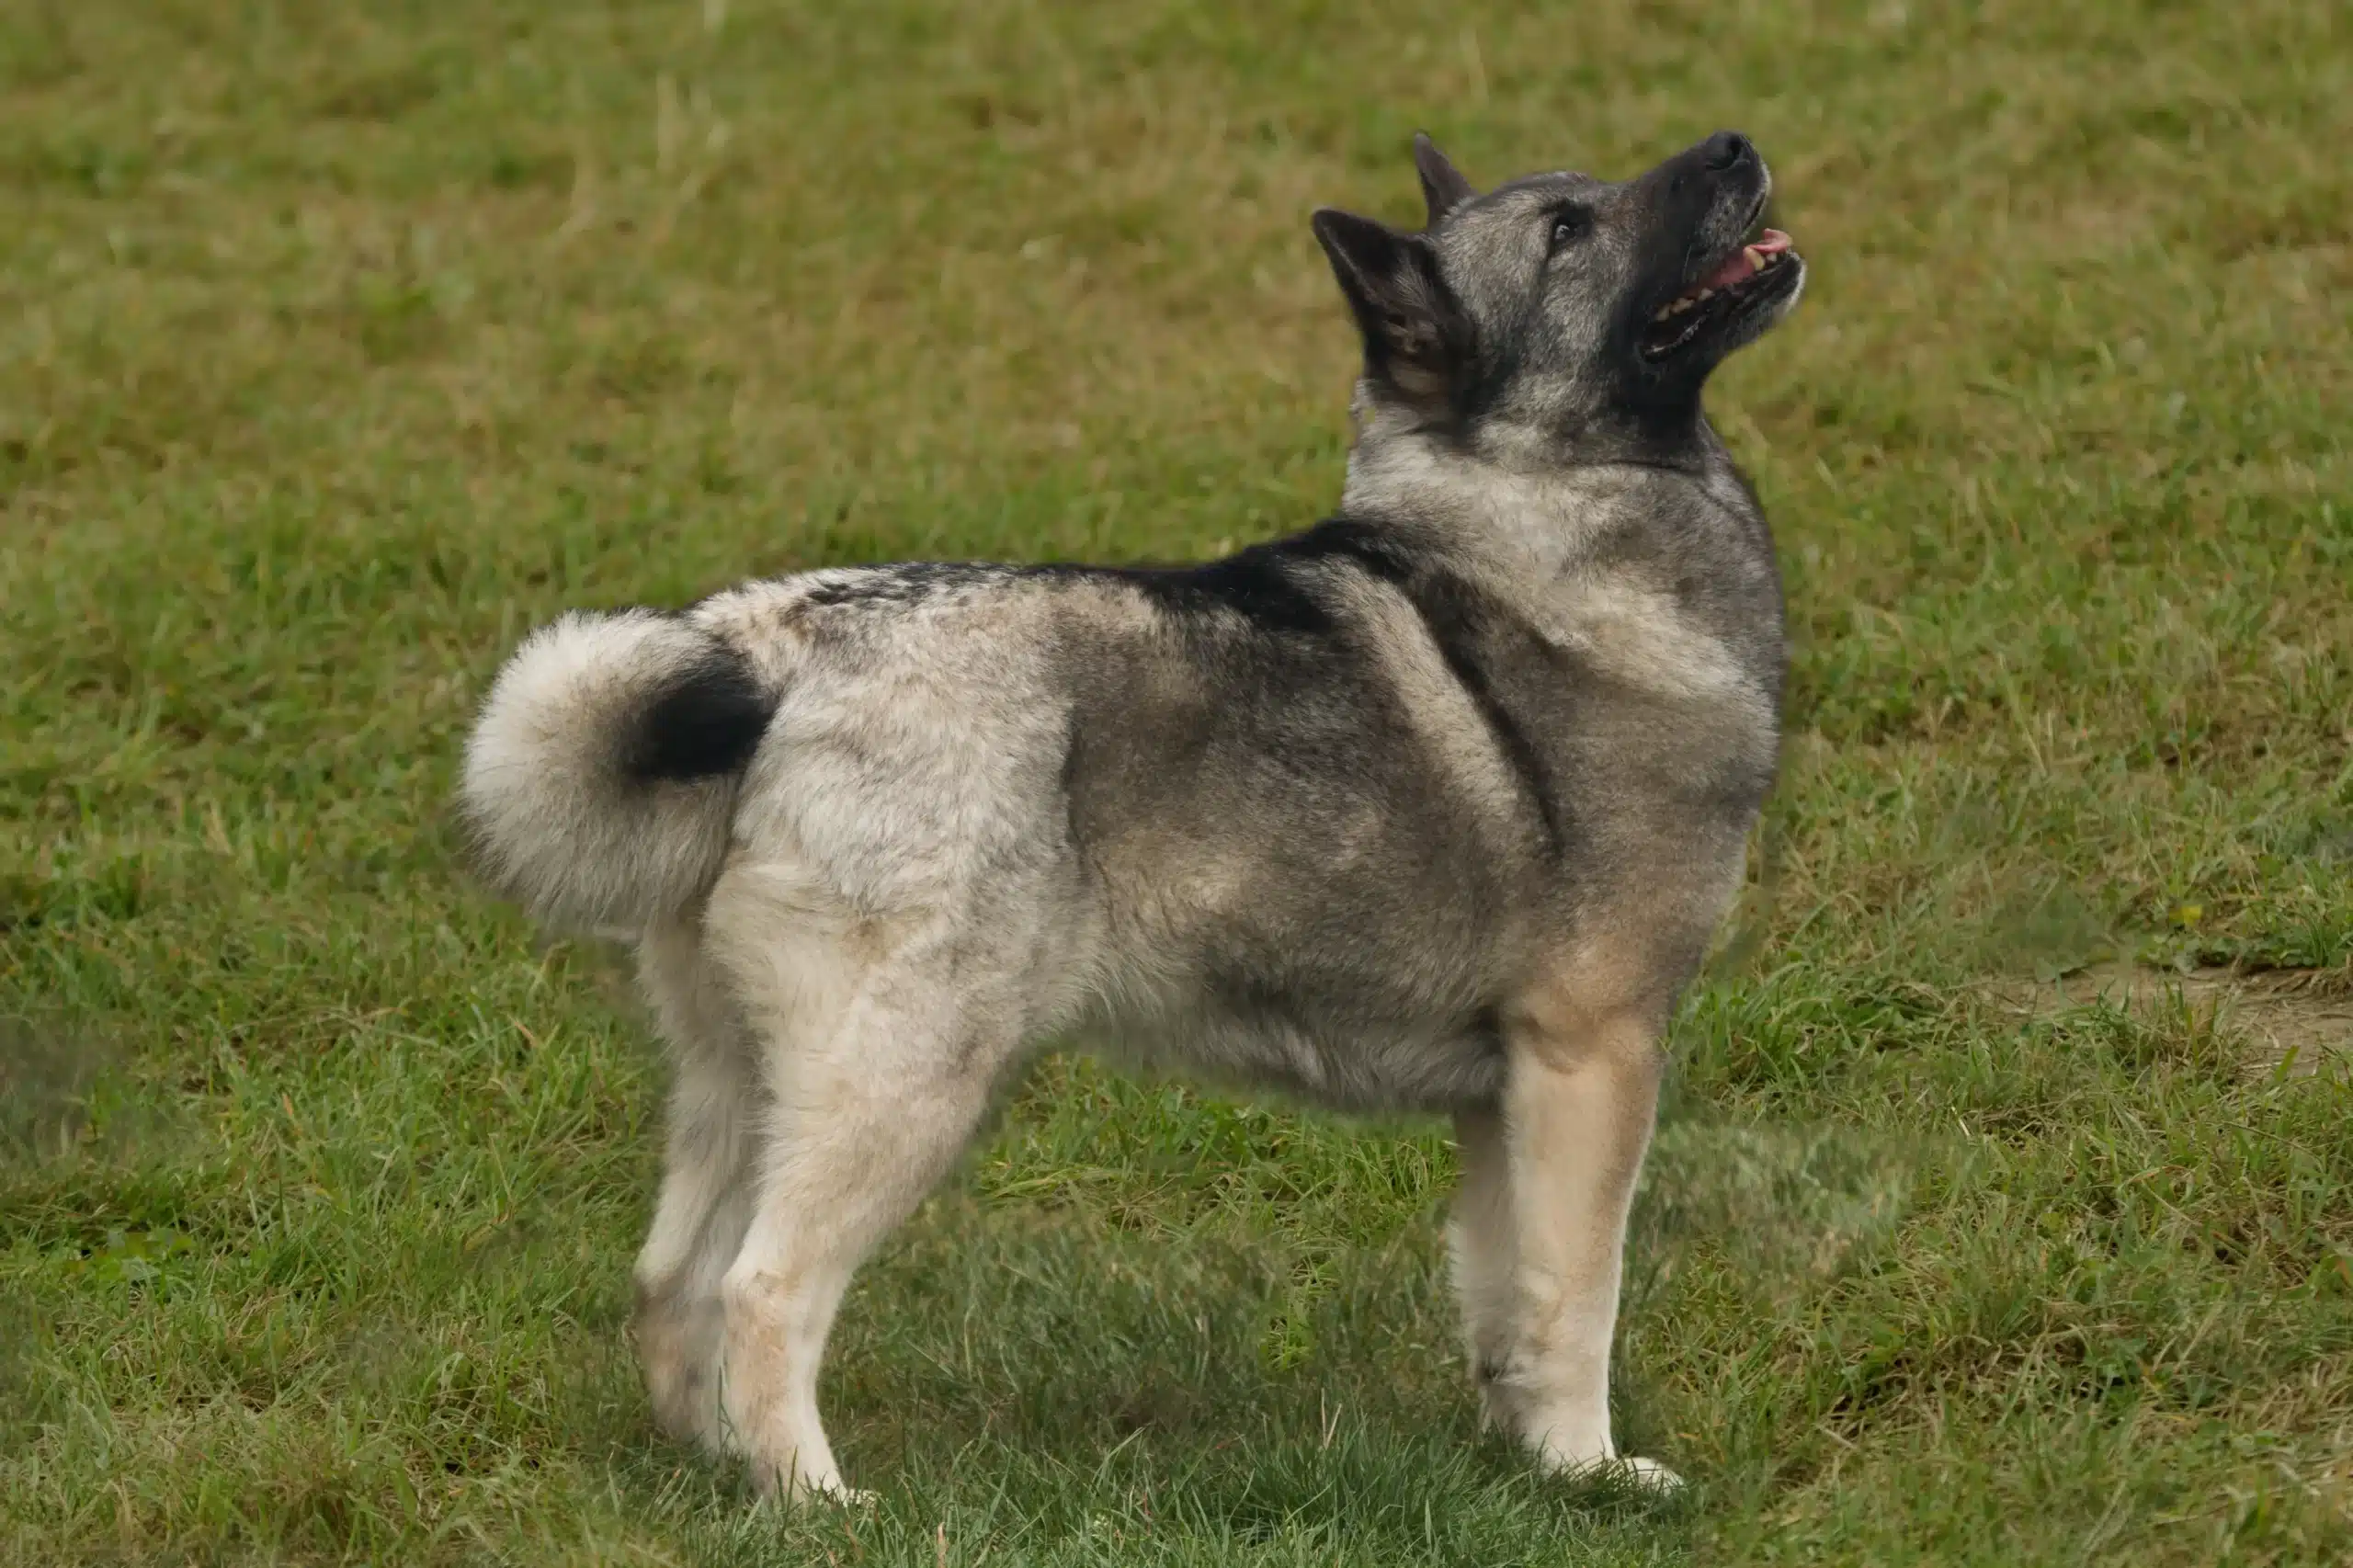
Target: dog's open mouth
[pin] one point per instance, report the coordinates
(1745, 276)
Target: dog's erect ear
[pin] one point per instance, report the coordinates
(1443, 186)
(1414, 329)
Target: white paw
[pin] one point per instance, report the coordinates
(1648, 1474)
(840, 1495)
(816, 1494)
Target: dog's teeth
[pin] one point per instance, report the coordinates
(1755, 258)
(1704, 294)
(1663, 311)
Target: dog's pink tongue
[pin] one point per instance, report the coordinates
(1741, 263)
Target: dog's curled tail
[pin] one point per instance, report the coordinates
(600, 778)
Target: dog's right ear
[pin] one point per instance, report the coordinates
(1443, 187)
(1414, 329)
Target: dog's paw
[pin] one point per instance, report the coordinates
(1648, 1474)
(842, 1496)
(1618, 1469)
(793, 1488)
(825, 1494)
(678, 1347)
(829, 1489)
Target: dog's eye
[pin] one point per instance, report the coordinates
(1569, 225)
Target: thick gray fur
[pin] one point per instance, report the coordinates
(1433, 807)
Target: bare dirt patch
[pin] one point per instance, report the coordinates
(2298, 1017)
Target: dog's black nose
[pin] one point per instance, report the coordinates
(1724, 149)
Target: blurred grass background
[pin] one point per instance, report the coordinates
(339, 345)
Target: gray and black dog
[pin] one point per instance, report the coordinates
(1433, 807)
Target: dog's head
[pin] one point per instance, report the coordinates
(1564, 303)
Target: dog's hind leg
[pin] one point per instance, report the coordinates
(876, 1115)
(869, 1105)
(705, 1205)
(1484, 1251)
(1581, 1097)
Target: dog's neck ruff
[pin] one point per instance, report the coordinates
(1507, 490)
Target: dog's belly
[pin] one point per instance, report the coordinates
(1434, 1069)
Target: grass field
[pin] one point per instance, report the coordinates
(2003, 1211)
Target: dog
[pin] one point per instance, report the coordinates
(1433, 807)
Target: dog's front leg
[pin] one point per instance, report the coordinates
(1483, 1253)
(1582, 1093)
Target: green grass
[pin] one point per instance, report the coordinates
(339, 345)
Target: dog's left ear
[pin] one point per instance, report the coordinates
(1414, 329)
(1443, 187)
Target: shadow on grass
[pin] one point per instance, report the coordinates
(1030, 1383)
